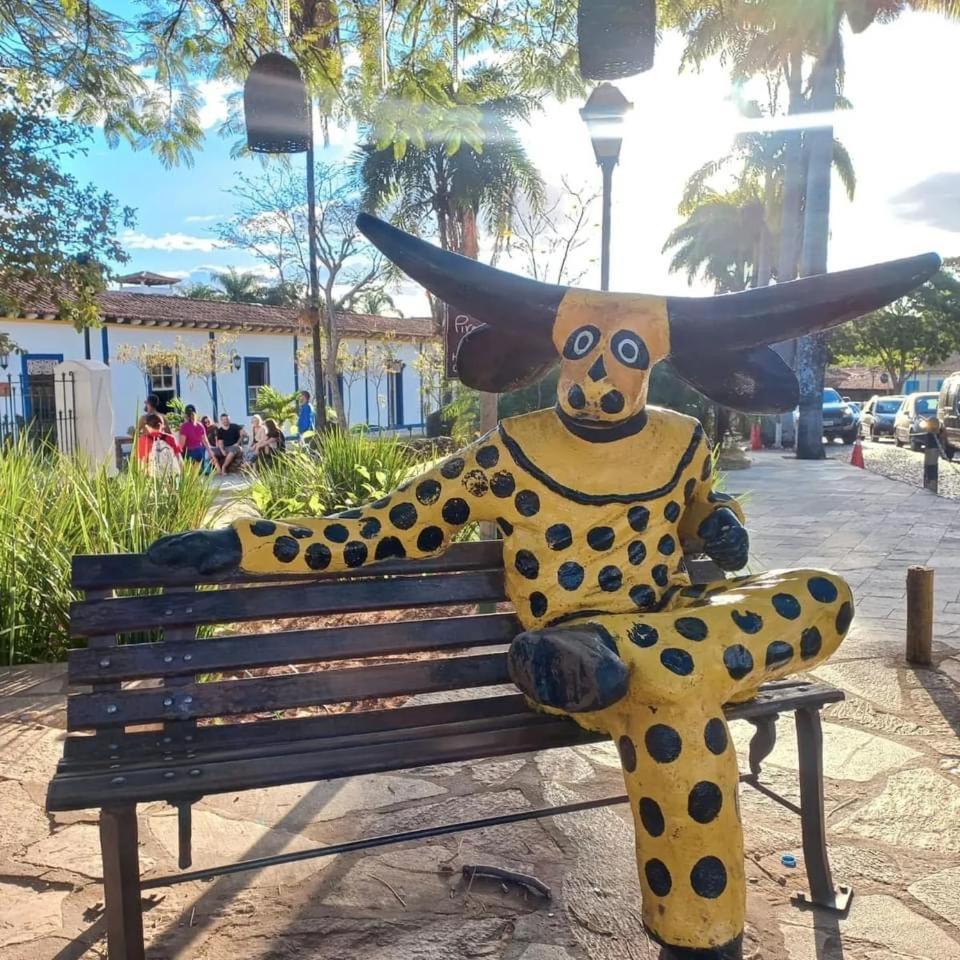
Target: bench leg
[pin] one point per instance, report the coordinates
(121, 882)
(823, 892)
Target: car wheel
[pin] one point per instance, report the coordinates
(848, 437)
(916, 445)
(948, 451)
(896, 439)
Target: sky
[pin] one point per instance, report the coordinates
(902, 134)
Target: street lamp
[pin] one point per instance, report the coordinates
(236, 360)
(279, 119)
(603, 114)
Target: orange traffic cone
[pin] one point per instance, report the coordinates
(856, 457)
(755, 443)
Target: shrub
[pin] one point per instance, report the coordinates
(281, 407)
(51, 508)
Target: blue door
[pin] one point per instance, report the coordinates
(39, 393)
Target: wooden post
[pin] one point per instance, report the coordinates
(919, 615)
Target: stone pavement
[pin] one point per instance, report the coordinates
(893, 800)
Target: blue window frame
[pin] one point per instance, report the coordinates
(395, 398)
(256, 374)
(41, 391)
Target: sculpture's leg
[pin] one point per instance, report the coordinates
(680, 770)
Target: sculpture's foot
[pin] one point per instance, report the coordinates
(572, 669)
(206, 551)
(733, 950)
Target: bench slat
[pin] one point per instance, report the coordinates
(119, 615)
(167, 659)
(226, 698)
(131, 570)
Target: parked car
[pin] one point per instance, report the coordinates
(948, 413)
(911, 424)
(840, 418)
(876, 419)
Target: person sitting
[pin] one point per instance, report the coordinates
(258, 434)
(229, 439)
(163, 454)
(211, 429)
(273, 441)
(193, 437)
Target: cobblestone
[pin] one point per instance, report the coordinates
(902, 464)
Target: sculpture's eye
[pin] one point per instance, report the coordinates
(630, 350)
(581, 342)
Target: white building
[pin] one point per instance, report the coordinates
(262, 344)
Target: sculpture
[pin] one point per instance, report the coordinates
(596, 500)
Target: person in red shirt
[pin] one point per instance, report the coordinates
(193, 437)
(159, 450)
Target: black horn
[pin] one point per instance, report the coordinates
(767, 315)
(497, 298)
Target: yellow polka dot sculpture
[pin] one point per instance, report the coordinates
(597, 500)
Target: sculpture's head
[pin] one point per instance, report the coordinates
(607, 343)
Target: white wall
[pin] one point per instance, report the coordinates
(36, 336)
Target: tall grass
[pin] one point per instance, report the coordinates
(344, 469)
(52, 507)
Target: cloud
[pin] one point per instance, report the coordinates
(935, 200)
(168, 242)
(201, 218)
(215, 108)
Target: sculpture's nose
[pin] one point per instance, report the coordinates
(598, 371)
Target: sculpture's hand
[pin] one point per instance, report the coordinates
(206, 551)
(725, 540)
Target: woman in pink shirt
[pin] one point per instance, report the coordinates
(193, 436)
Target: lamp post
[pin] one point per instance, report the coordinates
(279, 119)
(603, 114)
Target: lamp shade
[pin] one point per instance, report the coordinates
(603, 114)
(615, 38)
(275, 106)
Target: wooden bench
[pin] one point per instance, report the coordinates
(137, 733)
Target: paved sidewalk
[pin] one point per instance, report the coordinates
(892, 759)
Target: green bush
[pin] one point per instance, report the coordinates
(281, 407)
(51, 508)
(343, 470)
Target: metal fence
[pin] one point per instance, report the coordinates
(40, 407)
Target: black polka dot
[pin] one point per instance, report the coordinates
(672, 510)
(262, 528)
(355, 553)
(677, 661)
(559, 536)
(452, 468)
(318, 556)
(661, 575)
(691, 628)
(505, 526)
(475, 482)
(643, 635)
(704, 802)
(651, 816)
(748, 622)
(844, 617)
(636, 552)
(403, 516)
(381, 503)
(786, 605)
(697, 590)
(708, 878)
(285, 549)
(336, 532)
(600, 538)
(822, 589)
(528, 503)
(643, 596)
(301, 533)
(715, 736)
(663, 743)
(738, 661)
(612, 402)
(575, 397)
(707, 468)
(538, 604)
(527, 564)
(428, 491)
(430, 539)
(570, 575)
(353, 514)
(502, 484)
(369, 528)
(455, 511)
(689, 488)
(658, 877)
(638, 518)
(390, 548)
(610, 579)
(667, 545)
(778, 653)
(810, 643)
(488, 456)
(628, 753)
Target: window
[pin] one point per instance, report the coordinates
(162, 380)
(395, 397)
(256, 372)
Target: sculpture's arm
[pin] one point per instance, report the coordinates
(417, 520)
(713, 522)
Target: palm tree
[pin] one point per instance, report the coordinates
(239, 287)
(374, 301)
(201, 291)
